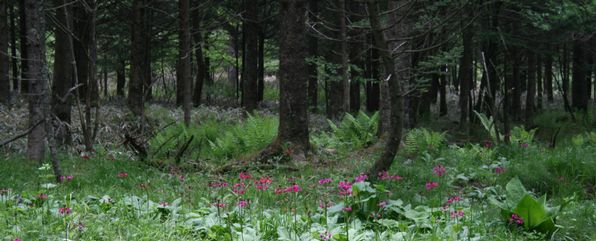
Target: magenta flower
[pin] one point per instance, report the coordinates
(239, 188)
(218, 184)
(164, 204)
(345, 188)
(384, 175)
(245, 176)
(42, 196)
(499, 170)
(242, 203)
(382, 204)
(431, 185)
(16, 239)
(324, 181)
(325, 236)
(122, 174)
(64, 210)
(347, 209)
(296, 188)
(219, 205)
(456, 214)
(361, 178)
(453, 199)
(524, 145)
(488, 144)
(439, 170)
(516, 219)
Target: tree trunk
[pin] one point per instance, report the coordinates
(36, 76)
(13, 49)
(516, 86)
(23, 42)
(565, 72)
(199, 58)
(465, 76)
(136, 84)
(548, 77)
(261, 65)
(4, 57)
(580, 95)
(539, 82)
(83, 29)
(63, 78)
(339, 86)
(372, 87)
(120, 78)
(313, 45)
(394, 78)
(293, 83)
(443, 91)
(184, 80)
(531, 87)
(249, 78)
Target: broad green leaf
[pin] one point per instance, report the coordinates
(532, 212)
(515, 192)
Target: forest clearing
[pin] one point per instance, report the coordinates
(288, 120)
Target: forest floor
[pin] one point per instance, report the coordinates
(436, 190)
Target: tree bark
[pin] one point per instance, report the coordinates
(4, 57)
(136, 86)
(531, 87)
(23, 42)
(200, 60)
(313, 45)
(548, 77)
(293, 83)
(394, 77)
(261, 65)
(539, 82)
(580, 94)
(13, 49)
(120, 78)
(184, 80)
(63, 78)
(372, 87)
(249, 78)
(465, 76)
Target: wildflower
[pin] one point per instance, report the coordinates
(239, 188)
(265, 180)
(445, 207)
(62, 178)
(279, 190)
(384, 175)
(347, 209)
(524, 145)
(16, 239)
(345, 188)
(439, 170)
(181, 178)
(361, 178)
(245, 176)
(296, 188)
(431, 185)
(325, 235)
(382, 204)
(499, 170)
(69, 178)
(456, 214)
(242, 203)
(516, 219)
(164, 204)
(488, 144)
(453, 199)
(122, 174)
(217, 184)
(219, 205)
(42, 196)
(64, 210)
(324, 181)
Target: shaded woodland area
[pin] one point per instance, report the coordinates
(288, 86)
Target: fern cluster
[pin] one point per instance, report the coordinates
(421, 140)
(352, 132)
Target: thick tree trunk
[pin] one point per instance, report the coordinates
(443, 91)
(23, 42)
(313, 45)
(539, 82)
(580, 95)
(261, 66)
(339, 86)
(531, 87)
(372, 87)
(516, 85)
(136, 90)
(4, 57)
(565, 72)
(199, 58)
(394, 77)
(465, 76)
(63, 78)
(293, 83)
(83, 29)
(184, 80)
(37, 79)
(249, 78)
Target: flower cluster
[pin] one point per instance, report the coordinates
(345, 188)
(516, 219)
(456, 214)
(64, 210)
(431, 185)
(263, 183)
(66, 178)
(324, 181)
(439, 170)
(295, 188)
(122, 175)
(384, 175)
(361, 178)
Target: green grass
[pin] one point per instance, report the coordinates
(152, 204)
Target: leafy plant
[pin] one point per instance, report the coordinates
(523, 209)
(352, 132)
(423, 140)
(519, 135)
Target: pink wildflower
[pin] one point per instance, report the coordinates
(245, 176)
(296, 188)
(431, 185)
(384, 175)
(456, 214)
(242, 203)
(324, 181)
(239, 188)
(345, 188)
(42, 196)
(516, 219)
(382, 204)
(453, 199)
(524, 145)
(361, 178)
(122, 174)
(439, 170)
(164, 204)
(325, 236)
(347, 209)
(499, 170)
(64, 210)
